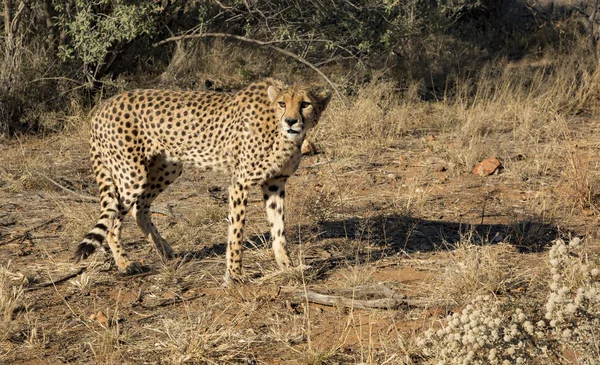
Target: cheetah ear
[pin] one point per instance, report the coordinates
(273, 93)
(323, 98)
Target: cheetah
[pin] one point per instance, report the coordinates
(141, 139)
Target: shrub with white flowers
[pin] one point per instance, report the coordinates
(485, 332)
(573, 306)
(491, 331)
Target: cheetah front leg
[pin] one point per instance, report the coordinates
(238, 200)
(274, 194)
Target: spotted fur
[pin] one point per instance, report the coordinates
(141, 139)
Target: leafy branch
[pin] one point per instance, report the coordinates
(268, 44)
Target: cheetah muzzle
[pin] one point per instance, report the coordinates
(141, 139)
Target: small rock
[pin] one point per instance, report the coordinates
(438, 168)
(436, 164)
(308, 148)
(10, 221)
(499, 237)
(486, 167)
(325, 254)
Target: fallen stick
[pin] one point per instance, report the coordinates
(351, 299)
(171, 301)
(80, 196)
(339, 301)
(58, 281)
(29, 230)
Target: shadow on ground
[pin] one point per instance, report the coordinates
(396, 234)
(407, 234)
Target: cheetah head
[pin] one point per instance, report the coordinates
(298, 108)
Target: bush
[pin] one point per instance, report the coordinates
(414, 42)
(489, 331)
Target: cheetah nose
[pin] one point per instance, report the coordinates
(291, 121)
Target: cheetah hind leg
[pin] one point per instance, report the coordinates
(144, 222)
(125, 265)
(108, 227)
(161, 173)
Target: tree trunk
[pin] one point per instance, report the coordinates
(7, 20)
(10, 66)
(50, 27)
(8, 45)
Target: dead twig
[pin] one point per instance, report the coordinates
(58, 281)
(374, 298)
(29, 230)
(43, 237)
(80, 196)
(260, 43)
(171, 301)
(140, 295)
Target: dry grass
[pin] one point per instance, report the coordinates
(582, 182)
(25, 172)
(521, 106)
(382, 203)
(473, 269)
(216, 61)
(11, 298)
(356, 275)
(30, 166)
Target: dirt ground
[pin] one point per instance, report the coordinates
(401, 218)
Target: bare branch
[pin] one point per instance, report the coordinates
(80, 196)
(223, 6)
(351, 4)
(57, 281)
(260, 43)
(378, 297)
(17, 17)
(7, 18)
(27, 232)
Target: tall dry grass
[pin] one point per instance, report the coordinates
(519, 104)
(11, 298)
(529, 99)
(512, 109)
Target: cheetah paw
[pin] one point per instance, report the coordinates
(300, 267)
(233, 280)
(167, 253)
(132, 268)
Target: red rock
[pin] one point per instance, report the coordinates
(486, 167)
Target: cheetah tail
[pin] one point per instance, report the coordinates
(93, 240)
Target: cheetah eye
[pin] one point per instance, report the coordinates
(281, 104)
(304, 104)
